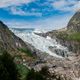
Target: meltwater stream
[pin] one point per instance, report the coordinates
(46, 45)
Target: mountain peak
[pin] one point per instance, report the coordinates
(74, 23)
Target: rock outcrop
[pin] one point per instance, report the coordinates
(74, 23)
(11, 43)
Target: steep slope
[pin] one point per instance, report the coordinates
(11, 43)
(69, 36)
(74, 23)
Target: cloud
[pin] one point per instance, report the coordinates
(38, 8)
(14, 7)
(7, 3)
(49, 23)
(59, 4)
(19, 11)
(67, 5)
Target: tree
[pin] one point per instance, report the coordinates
(8, 69)
(4, 75)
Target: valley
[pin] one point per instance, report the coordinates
(58, 50)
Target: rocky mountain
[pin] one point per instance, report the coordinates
(74, 23)
(69, 37)
(68, 68)
(13, 44)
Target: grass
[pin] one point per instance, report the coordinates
(27, 51)
(72, 36)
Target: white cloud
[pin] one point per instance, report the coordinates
(67, 5)
(77, 6)
(59, 4)
(11, 6)
(6, 3)
(49, 23)
(19, 11)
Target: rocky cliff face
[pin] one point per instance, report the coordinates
(74, 23)
(10, 42)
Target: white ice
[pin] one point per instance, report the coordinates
(39, 42)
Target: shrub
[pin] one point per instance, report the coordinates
(32, 75)
(27, 51)
(8, 69)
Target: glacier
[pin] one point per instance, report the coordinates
(41, 43)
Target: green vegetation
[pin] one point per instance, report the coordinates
(8, 69)
(75, 36)
(27, 51)
(23, 71)
(44, 74)
(32, 75)
(62, 35)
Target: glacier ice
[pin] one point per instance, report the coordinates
(41, 43)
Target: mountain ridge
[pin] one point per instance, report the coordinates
(12, 44)
(74, 23)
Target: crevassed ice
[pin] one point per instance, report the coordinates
(39, 42)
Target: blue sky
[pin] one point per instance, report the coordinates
(38, 13)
